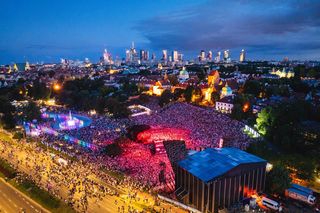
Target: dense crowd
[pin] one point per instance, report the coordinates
(147, 169)
(206, 126)
(102, 131)
(72, 182)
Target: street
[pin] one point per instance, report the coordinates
(11, 200)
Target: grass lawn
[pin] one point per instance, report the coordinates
(41, 196)
(6, 170)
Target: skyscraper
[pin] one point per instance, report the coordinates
(128, 56)
(242, 56)
(209, 56)
(164, 55)
(131, 55)
(142, 55)
(174, 55)
(202, 55)
(106, 57)
(146, 55)
(225, 55)
(218, 57)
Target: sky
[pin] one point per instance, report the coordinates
(46, 30)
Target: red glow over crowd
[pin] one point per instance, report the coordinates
(164, 134)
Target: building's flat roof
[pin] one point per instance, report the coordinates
(214, 162)
(298, 192)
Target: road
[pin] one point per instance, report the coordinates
(13, 201)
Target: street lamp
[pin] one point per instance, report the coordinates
(56, 87)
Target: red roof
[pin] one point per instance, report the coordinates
(214, 72)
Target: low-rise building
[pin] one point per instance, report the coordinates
(216, 179)
(225, 105)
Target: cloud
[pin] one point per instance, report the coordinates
(256, 25)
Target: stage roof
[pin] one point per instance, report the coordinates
(212, 163)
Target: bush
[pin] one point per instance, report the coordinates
(41, 196)
(18, 135)
(7, 170)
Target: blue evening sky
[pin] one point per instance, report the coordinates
(47, 30)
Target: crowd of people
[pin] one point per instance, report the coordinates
(206, 126)
(102, 130)
(71, 182)
(144, 166)
(84, 179)
(198, 127)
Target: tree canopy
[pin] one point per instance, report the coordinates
(278, 179)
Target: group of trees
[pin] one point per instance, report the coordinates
(310, 72)
(165, 98)
(266, 88)
(86, 94)
(281, 125)
(200, 71)
(9, 114)
(7, 111)
(30, 112)
(242, 109)
(278, 179)
(38, 90)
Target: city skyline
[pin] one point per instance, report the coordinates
(40, 31)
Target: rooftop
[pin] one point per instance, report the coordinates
(214, 162)
(226, 99)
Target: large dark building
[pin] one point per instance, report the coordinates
(215, 179)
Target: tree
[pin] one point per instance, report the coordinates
(278, 179)
(165, 98)
(252, 87)
(38, 90)
(173, 80)
(237, 112)
(31, 112)
(199, 70)
(305, 169)
(6, 106)
(130, 88)
(178, 92)
(242, 107)
(18, 135)
(118, 109)
(279, 123)
(188, 93)
(100, 105)
(7, 110)
(264, 120)
(51, 73)
(7, 121)
(312, 73)
(215, 96)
